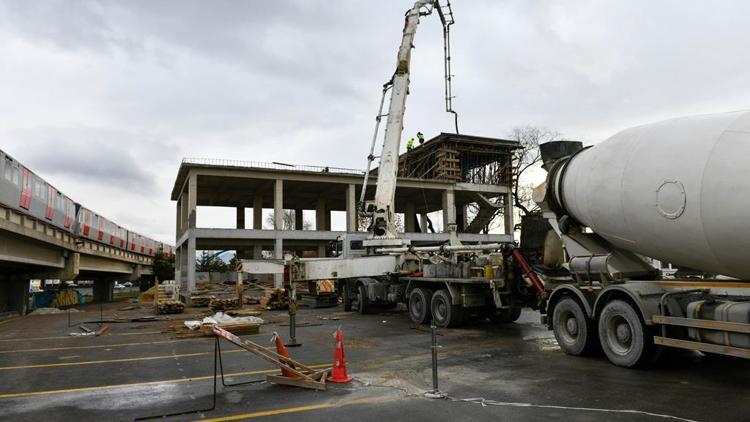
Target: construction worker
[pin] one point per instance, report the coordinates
(410, 145)
(420, 136)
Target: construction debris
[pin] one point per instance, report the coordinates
(170, 307)
(52, 311)
(218, 304)
(147, 296)
(277, 300)
(240, 325)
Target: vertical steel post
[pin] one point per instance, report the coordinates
(435, 392)
(434, 358)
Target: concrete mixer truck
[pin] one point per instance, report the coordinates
(677, 191)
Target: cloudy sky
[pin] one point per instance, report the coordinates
(104, 98)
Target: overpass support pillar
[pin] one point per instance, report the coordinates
(104, 290)
(14, 295)
(136, 274)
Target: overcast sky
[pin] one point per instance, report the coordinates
(104, 98)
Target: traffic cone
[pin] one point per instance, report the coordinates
(338, 374)
(281, 349)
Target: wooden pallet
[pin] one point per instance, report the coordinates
(306, 377)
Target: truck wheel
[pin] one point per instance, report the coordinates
(444, 313)
(508, 315)
(573, 331)
(346, 298)
(623, 335)
(363, 304)
(419, 305)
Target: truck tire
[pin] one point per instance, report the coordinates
(346, 298)
(363, 303)
(574, 332)
(419, 305)
(623, 336)
(444, 313)
(508, 315)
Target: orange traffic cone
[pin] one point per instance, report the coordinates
(338, 374)
(281, 349)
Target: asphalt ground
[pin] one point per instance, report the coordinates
(489, 372)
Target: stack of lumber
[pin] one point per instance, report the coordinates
(200, 301)
(218, 304)
(277, 300)
(170, 307)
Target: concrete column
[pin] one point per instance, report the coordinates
(322, 221)
(351, 209)
(278, 205)
(460, 218)
(14, 294)
(410, 216)
(278, 252)
(103, 290)
(192, 200)
(423, 223)
(240, 217)
(257, 251)
(299, 222)
(178, 265)
(321, 249)
(178, 217)
(190, 258)
(508, 213)
(258, 212)
(449, 209)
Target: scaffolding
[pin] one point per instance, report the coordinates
(460, 159)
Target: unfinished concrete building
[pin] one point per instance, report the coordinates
(451, 178)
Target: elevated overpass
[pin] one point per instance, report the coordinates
(32, 249)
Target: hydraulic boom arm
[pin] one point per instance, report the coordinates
(381, 210)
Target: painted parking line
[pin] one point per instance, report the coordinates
(141, 384)
(98, 346)
(106, 346)
(8, 340)
(99, 362)
(287, 410)
(6, 320)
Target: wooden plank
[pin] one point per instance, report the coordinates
(736, 327)
(262, 352)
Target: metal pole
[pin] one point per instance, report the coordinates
(293, 316)
(435, 393)
(434, 358)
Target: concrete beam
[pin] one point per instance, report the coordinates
(327, 235)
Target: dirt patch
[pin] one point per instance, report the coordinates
(359, 342)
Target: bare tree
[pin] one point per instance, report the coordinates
(525, 158)
(287, 221)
